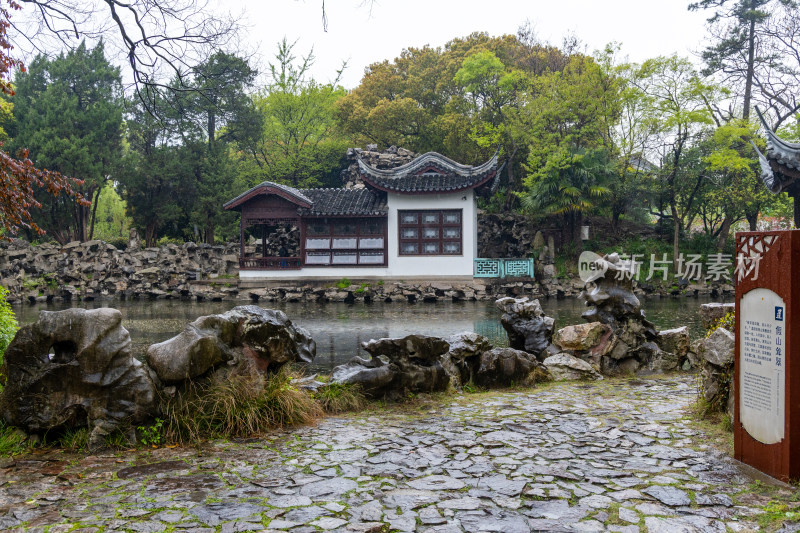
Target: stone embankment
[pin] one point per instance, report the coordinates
(96, 270)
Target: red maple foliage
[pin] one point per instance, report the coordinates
(20, 179)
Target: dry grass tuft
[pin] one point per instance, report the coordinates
(237, 405)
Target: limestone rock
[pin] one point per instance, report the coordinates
(74, 368)
(609, 293)
(564, 366)
(134, 241)
(593, 337)
(718, 348)
(463, 359)
(507, 366)
(374, 375)
(398, 366)
(675, 341)
(264, 337)
(711, 313)
(525, 323)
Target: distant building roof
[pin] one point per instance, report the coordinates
(780, 168)
(431, 173)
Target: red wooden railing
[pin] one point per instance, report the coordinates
(270, 263)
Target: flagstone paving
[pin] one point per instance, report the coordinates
(616, 455)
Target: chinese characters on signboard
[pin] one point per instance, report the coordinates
(762, 376)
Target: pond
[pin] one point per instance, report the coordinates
(339, 328)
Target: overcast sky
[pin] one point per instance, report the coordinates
(644, 28)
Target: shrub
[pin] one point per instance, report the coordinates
(343, 283)
(728, 322)
(165, 240)
(8, 327)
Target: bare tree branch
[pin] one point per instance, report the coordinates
(161, 40)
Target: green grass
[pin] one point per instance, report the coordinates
(75, 439)
(776, 513)
(12, 441)
(340, 398)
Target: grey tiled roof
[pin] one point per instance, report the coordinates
(429, 173)
(782, 157)
(316, 202)
(361, 202)
(291, 191)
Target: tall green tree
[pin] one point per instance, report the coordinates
(299, 142)
(458, 99)
(735, 191)
(214, 114)
(69, 115)
(567, 120)
(157, 175)
(679, 102)
(571, 184)
(494, 93)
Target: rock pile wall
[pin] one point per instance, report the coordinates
(390, 158)
(97, 270)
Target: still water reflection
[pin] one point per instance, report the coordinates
(339, 329)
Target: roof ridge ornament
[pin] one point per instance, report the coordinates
(412, 178)
(426, 159)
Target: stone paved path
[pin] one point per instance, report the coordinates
(617, 455)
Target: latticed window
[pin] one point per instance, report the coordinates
(347, 242)
(430, 232)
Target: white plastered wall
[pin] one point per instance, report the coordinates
(401, 267)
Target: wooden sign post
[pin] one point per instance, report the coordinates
(767, 367)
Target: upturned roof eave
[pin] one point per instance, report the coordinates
(784, 152)
(427, 159)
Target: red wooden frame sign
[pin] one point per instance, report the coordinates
(769, 260)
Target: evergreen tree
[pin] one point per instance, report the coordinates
(69, 115)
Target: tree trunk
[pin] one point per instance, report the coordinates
(212, 127)
(748, 82)
(83, 211)
(576, 233)
(752, 220)
(208, 236)
(150, 234)
(510, 196)
(676, 237)
(94, 208)
(566, 231)
(615, 214)
(723, 233)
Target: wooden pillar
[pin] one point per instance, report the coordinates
(241, 240)
(796, 198)
(263, 241)
(301, 225)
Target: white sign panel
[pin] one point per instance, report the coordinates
(762, 379)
